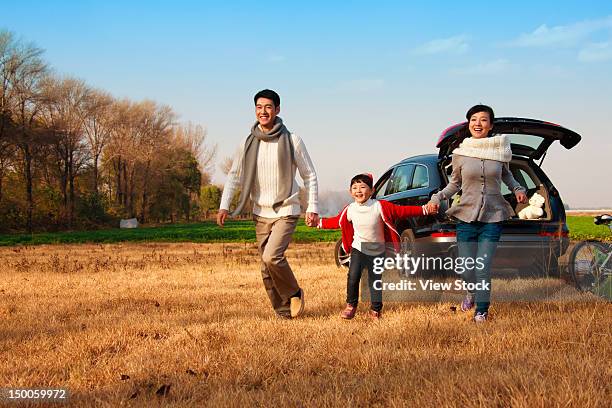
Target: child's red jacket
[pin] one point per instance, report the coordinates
(390, 214)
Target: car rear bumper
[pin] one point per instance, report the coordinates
(513, 251)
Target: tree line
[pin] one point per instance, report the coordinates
(73, 156)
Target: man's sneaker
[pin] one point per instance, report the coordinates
(349, 312)
(297, 304)
(480, 317)
(374, 315)
(467, 303)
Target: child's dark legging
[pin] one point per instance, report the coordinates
(359, 261)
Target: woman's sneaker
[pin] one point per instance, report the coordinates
(467, 303)
(480, 317)
(349, 312)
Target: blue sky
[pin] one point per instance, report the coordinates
(364, 84)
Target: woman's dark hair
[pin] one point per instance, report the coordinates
(480, 108)
(366, 179)
(268, 94)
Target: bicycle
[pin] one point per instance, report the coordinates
(590, 263)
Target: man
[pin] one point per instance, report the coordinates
(264, 168)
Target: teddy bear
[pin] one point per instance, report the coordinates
(534, 209)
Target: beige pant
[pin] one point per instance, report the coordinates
(273, 238)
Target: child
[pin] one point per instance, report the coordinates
(366, 225)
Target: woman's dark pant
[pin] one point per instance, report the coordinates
(478, 240)
(359, 261)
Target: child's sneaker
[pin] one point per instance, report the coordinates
(480, 317)
(374, 315)
(349, 312)
(467, 303)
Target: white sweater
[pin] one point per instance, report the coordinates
(265, 185)
(368, 226)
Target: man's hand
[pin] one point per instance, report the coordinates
(312, 219)
(221, 216)
(521, 197)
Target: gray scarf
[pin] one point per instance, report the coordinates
(286, 159)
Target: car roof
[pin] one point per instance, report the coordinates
(421, 158)
(429, 159)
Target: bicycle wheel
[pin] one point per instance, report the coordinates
(585, 264)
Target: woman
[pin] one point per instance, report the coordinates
(480, 164)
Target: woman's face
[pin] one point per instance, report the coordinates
(480, 125)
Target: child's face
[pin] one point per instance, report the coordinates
(361, 192)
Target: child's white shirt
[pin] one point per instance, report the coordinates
(369, 235)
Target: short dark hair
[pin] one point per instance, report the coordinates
(480, 108)
(268, 94)
(366, 179)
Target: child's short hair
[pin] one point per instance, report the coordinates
(365, 178)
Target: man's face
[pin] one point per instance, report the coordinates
(266, 112)
(361, 192)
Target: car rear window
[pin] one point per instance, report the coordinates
(532, 141)
(525, 179)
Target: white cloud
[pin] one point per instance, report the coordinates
(550, 71)
(561, 36)
(452, 45)
(362, 85)
(596, 52)
(498, 66)
(276, 58)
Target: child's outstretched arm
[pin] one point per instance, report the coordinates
(406, 211)
(331, 222)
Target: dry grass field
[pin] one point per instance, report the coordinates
(191, 325)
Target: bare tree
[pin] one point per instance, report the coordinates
(154, 126)
(6, 125)
(226, 165)
(7, 153)
(97, 121)
(194, 139)
(140, 133)
(61, 101)
(8, 64)
(9, 59)
(22, 70)
(119, 155)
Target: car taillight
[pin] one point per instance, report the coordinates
(555, 234)
(444, 234)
